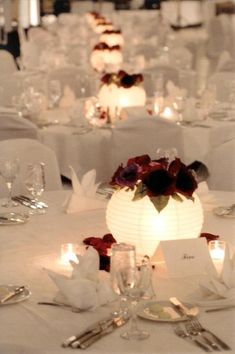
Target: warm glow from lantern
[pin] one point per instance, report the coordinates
(112, 39)
(114, 97)
(68, 253)
(101, 58)
(139, 223)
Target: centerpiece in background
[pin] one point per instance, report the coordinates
(120, 90)
(112, 37)
(103, 57)
(154, 200)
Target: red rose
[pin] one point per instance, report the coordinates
(159, 182)
(209, 237)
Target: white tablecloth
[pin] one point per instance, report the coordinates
(29, 328)
(103, 150)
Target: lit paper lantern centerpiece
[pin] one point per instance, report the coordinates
(155, 200)
(103, 56)
(112, 37)
(120, 90)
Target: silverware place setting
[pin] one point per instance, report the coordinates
(95, 332)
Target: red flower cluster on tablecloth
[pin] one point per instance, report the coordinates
(122, 79)
(209, 237)
(158, 179)
(102, 246)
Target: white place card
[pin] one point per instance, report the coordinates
(184, 257)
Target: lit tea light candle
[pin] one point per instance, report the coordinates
(217, 253)
(168, 113)
(68, 253)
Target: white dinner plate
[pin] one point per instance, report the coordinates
(144, 311)
(13, 218)
(5, 289)
(219, 211)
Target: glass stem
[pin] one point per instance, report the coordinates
(133, 319)
(9, 186)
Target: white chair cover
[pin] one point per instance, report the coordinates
(222, 80)
(221, 165)
(147, 135)
(31, 151)
(7, 63)
(190, 11)
(12, 126)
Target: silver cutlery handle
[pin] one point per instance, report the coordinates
(91, 340)
(219, 341)
(201, 345)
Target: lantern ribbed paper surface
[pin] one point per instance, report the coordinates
(139, 223)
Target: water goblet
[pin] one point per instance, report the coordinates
(8, 170)
(35, 184)
(129, 281)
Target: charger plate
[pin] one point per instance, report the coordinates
(145, 312)
(5, 289)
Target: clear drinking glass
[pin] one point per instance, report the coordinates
(54, 93)
(35, 183)
(130, 282)
(9, 169)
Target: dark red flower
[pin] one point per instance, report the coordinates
(102, 246)
(185, 182)
(209, 237)
(159, 182)
(101, 46)
(127, 176)
(142, 160)
(127, 81)
(111, 32)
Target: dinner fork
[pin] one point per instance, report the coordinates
(198, 327)
(185, 335)
(195, 330)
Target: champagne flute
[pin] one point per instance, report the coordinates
(8, 170)
(131, 281)
(35, 184)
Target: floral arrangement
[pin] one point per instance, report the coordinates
(104, 46)
(157, 179)
(122, 79)
(102, 246)
(112, 32)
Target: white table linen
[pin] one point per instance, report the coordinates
(31, 328)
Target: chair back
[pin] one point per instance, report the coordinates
(30, 151)
(8, 64)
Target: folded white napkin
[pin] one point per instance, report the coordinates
(87, 288)
(68, 99)
(190, 113)
(174, 91)
(220, 290)
(83, 195)
(207, 199)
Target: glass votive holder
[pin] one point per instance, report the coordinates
(217, 253)
(68, 253)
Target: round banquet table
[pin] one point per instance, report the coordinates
(26, 250)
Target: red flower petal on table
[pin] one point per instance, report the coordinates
(209, 237)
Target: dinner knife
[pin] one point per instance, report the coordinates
(116, 322)
(180, 307)
(97, 325)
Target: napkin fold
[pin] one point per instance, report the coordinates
(219, 290)
(87, 288)
(207, 198)
(83, 195)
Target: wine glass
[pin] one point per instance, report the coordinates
(35, 183)
(130, 281)
(54, 92)
(8, 170)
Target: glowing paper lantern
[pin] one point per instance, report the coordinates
(102, 56)
(139, 223)
(112, 38)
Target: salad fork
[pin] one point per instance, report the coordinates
(185, 335)
(195, 330)
(198, 327)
